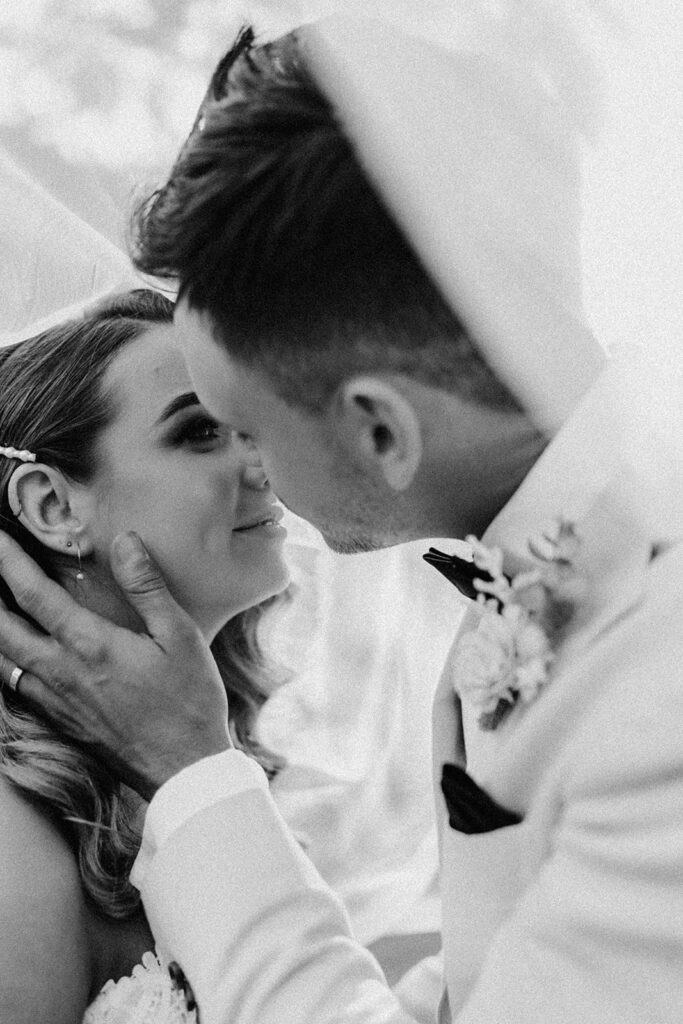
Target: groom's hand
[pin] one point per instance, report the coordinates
(147, 705)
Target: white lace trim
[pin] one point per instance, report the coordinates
(148, 996)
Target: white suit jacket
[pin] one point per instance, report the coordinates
(573, 916)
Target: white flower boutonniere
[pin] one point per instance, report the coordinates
(507, 658)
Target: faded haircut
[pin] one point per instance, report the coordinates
(270, 227)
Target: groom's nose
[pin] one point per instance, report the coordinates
(254, 474)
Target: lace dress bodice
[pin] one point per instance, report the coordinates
(148, 996)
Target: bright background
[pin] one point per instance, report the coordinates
(96, 95)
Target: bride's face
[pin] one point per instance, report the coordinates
(190, 487)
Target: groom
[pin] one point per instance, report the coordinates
(399, 389)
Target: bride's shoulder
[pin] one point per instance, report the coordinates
(44, 939)
(33, 851)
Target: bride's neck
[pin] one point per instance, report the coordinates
(117, 946)
(99, 592)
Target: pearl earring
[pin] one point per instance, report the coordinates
(80, 575)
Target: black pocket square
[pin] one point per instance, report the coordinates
(470, 809)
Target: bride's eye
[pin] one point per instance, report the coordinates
(199, 431)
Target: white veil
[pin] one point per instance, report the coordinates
(612, 266)
(52, 261)
(533, 156)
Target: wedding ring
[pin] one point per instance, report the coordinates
(13, 681)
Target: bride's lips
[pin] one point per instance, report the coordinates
(264, 520)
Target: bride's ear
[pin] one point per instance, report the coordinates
(41, 498)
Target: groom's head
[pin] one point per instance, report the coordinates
(309, 322)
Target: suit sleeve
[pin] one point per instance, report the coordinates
(231, 896)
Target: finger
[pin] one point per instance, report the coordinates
(6, 667)
(140, 578)
(33, 692)
(24, 645)
(40, 597)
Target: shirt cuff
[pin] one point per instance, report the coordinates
(192, 790)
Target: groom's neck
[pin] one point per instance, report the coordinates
(483, 485)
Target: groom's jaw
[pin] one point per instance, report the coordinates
(352, 545)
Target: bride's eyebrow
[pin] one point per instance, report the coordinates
(175, 405)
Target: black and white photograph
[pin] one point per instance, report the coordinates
(341, 512)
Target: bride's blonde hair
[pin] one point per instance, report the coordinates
(54, 404)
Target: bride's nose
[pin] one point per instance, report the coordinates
(255, 477)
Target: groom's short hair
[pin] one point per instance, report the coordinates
(271, 227)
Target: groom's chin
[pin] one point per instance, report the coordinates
(353, 544)
(347, 543)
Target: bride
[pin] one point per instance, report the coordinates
(100, 431)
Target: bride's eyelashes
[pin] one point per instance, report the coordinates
(198, 431)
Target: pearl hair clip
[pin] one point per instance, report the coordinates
(15, 453)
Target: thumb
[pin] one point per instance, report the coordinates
(141, 581)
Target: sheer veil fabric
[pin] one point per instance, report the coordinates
(53, 262)
(544, 200)
(583, 256)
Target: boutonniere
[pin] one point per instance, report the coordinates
(507, 658)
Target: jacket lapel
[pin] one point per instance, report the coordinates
(484, 875)
(613, 560)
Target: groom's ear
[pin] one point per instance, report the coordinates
(41, 498)
(379, 430)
